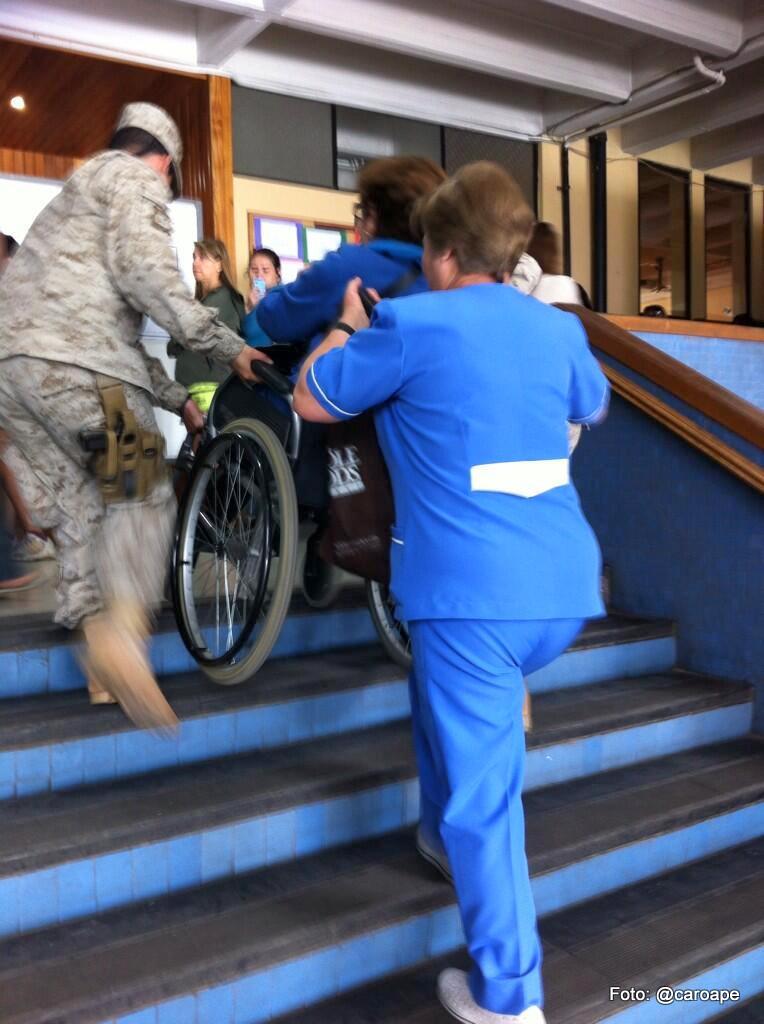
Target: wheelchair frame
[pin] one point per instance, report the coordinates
(286, 428)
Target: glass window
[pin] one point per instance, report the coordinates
(514, 155)
(664, 283)
(363, 135)
(727, 268)
(282, 137)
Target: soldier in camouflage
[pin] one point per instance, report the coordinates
(72, 302)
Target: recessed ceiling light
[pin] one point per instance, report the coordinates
(18, 103)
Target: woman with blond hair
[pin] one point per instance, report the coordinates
(494, 566)
(215, 289)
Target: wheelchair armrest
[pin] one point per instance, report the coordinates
(276, 381)
(272, 378)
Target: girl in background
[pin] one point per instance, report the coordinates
(264, 274)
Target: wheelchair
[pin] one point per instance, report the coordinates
(235, 554)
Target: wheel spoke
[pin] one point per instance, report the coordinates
(228, 549)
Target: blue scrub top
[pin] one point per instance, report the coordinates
(473, 389)
(302, 310)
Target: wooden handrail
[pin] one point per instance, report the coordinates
(701, 439)
(699, 392)
(687, 328)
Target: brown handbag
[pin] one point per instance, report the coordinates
(361, 509)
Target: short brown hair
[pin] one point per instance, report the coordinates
(391, 185)
(544, 247)
(482, 215)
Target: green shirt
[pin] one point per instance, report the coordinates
(193, 367)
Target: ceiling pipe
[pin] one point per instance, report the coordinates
(717, 80)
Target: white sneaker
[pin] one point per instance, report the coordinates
(454, 993)
(436, 856)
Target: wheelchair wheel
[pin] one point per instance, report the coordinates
(392, 632)
(235, 551)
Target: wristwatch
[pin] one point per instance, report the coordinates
(340, 325)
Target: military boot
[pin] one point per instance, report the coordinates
(117, 657)
(96, 690)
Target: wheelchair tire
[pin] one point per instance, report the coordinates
(224, 522)
(392, 632)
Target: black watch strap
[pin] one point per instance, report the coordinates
(340, 325)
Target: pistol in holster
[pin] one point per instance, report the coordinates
(127, 461)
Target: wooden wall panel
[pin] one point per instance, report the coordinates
(37, 165)
(73, 101)
(221, 159)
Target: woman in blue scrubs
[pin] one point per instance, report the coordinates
(389, 253)
(493, 563)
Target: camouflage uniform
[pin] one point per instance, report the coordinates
(71, 307)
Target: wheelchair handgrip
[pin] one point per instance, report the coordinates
(272, 378)
(367, 300)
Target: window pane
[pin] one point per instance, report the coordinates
(726, 250)
(282, 137)
(514, 155)
(663, 264)
(363, 135)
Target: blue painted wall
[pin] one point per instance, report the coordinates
(736, 365)
(685, 540)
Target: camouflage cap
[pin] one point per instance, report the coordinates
(156, 122)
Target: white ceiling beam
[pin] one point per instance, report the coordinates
(475, 37)
(245, 8)
(298, 64)
(223, 27)
(727, 145)
(561, 117)
(263, 9)
(159, 34)
(742, 97)
(752, 47)
(219, 36)
(711, 28)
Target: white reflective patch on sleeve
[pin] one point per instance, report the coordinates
(524, 479)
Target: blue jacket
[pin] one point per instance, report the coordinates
(302, 310)
(472, 389)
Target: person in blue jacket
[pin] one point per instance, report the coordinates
(493, 564)
(389, 253)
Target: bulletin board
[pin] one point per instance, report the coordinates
(297, 242)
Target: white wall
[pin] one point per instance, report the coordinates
(22, 199)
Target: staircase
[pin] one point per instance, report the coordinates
(261, 866)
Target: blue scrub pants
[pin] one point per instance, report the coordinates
(467, 697)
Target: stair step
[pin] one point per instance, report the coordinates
(619, 645)
(57, 742)
(37, 657)
(702, 921)
(751, 1012)
(245, 951)
(73, 854)
(40, 657)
